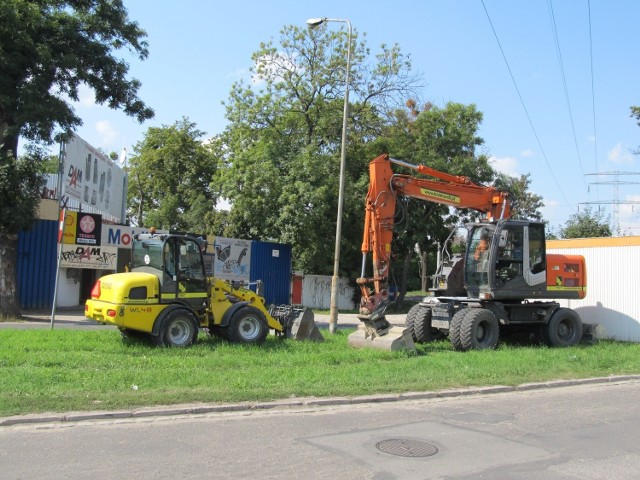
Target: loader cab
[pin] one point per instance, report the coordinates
(177, 262)
(505, 260)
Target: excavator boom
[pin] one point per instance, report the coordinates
(384, 187)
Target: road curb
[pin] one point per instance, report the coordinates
(168, 411)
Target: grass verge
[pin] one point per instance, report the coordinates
(64, 370)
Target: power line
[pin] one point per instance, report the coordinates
(564, 83)
(593, 90)
(515, 84)
(616, 202)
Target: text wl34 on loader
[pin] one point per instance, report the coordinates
(167, 295)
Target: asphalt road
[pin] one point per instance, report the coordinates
(579, 432)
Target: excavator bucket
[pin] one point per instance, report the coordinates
(298, 322)
(391, 339)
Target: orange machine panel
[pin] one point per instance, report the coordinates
(567, 273)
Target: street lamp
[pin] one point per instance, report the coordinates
(333, 313)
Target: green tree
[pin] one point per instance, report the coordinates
(586, 224)
(445, 139)
(170, 179)
(49, 49)
(526, 205)
(281, 149)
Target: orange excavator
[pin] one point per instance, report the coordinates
(508, 277)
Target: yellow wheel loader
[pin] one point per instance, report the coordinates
(167, 296)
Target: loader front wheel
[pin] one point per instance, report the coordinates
(248, 325)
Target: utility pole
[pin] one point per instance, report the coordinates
(616, 182)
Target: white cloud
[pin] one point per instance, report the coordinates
(508, 165)
(527, 153)
(107, 132)
(620, 154)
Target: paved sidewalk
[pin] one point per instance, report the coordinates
(73, 317)
(65, 317)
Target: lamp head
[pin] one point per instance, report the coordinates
(315, 22)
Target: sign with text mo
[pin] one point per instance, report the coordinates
(117, 236)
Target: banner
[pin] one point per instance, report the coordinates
(92, 178)
(232, 259)
(82, 228)
(92, 257)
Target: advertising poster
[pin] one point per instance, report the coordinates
(92, 257)
(82, 228)
(92, 178)
(232, 259)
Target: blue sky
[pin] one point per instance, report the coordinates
(198, 48)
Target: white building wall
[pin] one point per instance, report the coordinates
(613, 278)
(316, 292)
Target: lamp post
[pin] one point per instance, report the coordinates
(333, 313)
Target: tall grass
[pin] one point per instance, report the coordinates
(63, 370)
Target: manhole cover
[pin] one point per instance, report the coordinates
(407, 448)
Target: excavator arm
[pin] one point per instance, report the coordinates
(384, 188)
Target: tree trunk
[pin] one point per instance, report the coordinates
(9, 303)
(402, 291)
(424, 273)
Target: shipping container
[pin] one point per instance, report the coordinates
(37, 262)
(612, 280)
(271, 263)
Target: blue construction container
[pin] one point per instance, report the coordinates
(37, 262)
(271, 263)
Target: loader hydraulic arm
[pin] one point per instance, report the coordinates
(384, 187)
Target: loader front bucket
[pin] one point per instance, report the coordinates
(390, 339)
(298, 322)
(304, 327)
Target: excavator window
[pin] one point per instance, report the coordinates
(478, 264)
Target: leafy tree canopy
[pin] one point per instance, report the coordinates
(445, 139)
(48, 49)
(281, 149)
(526, 205)
(170, 177)
(586, 224)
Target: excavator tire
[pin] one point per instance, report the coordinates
(479, 330)
(454, 329)
(419, 320)
(564, 328)
(410, 319)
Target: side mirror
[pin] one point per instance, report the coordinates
(504, 235)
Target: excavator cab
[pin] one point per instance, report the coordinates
(505, 259)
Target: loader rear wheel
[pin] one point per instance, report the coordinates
(178, 329)
(479, 330)
(564, 328)
(421, 323)
(248, 325)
